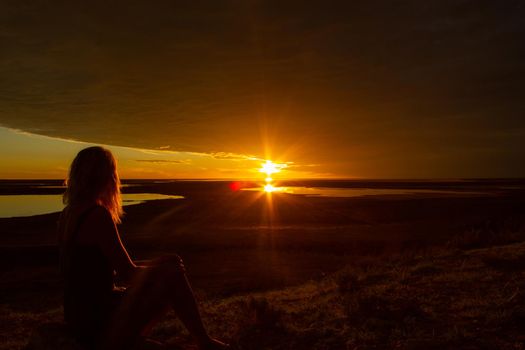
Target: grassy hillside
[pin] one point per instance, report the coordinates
(459, 297)
(449, 300)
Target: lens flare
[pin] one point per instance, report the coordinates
(235, 186)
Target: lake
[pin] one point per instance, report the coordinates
(362, 192)
(36, 204)
(23, 198)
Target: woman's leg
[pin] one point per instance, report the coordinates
(152, 292)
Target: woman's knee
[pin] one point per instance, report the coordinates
(168, 259)
(170, 265)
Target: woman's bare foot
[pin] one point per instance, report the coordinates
(149, 344)
(213, 344)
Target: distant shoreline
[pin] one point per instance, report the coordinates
(459, 179)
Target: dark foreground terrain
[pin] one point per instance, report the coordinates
(295, 272)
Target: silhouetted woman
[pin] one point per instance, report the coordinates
(98, 313)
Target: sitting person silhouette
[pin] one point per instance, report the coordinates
(99, 314)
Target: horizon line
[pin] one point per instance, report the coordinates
(291, 179)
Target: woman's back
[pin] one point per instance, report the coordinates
(87, 271)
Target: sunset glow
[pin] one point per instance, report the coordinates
(231, 94)
(320, 167)
(36, 156)
(269, 188)
(270, 168)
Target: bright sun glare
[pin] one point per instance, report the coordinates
(270, 168)
(269, 188)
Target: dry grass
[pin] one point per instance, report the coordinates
(490, 233)
(452, 300)
(447, 299)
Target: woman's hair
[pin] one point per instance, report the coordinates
(93, 177)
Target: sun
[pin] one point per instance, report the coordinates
(270, 168)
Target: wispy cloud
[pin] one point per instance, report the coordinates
(233, 156)
(164, 161)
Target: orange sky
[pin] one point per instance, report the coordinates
(40, 157)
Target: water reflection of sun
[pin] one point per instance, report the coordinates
(269, 188)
